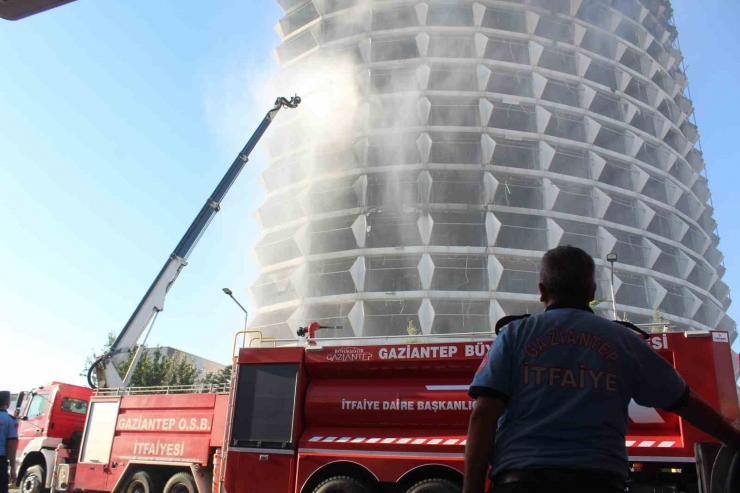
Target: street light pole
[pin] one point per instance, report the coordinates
(611, 258)
(230, 294)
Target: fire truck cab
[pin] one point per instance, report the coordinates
(392, 414)
(48, 417)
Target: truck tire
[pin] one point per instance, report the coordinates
(341, 484)
(33, 480)
(141, 482)
(182, 482)
(435, 486)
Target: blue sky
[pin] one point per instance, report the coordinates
(117, 119)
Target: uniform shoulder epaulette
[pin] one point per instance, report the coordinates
(504, 321)
(634, 328)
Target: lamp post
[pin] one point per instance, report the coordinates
(611, 258)
(230, 294)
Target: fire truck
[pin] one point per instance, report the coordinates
(137, 440)
(358, 417)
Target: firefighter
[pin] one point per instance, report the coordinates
(553, 392)
(8, 442)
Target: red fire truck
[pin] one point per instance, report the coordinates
(320, 419)
(142, 440)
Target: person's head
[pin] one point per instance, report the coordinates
(567, 275)
(4, 399)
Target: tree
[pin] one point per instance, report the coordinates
(154, 368)
(411, 329)
(220, 377)
(659, 318)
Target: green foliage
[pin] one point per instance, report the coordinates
(593, 304)
(659, 318)
(156, 369)
(411, 329)
(222, 376)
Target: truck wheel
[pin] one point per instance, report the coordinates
(33, 480)
(182, 482)
(141, 482)
(435, 486)
(341, 484)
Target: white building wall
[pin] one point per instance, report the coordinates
(487, 133)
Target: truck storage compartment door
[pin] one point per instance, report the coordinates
(262, 432)
(96, 445)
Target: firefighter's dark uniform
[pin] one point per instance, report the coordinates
(8, 431)
(567, 377)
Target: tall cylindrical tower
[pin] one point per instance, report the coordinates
(486, 133)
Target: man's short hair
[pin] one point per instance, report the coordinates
(4, 398)
(568, 273)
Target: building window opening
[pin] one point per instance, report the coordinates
(455, 113)
(618, 174)
(574, 199)
(555, 29)
(572, 162)
(453, 78)
(457, 187)
(621, 211)
(332, 235)
(566, 127)
(506, 50)
(629, 247)
(393, 230)
(606, 105)
(558, 60)
(562, 93)
(389, 274)
(522, 232)
(504, 20)
(450, 15)
(515, 154)
(392, 150)
(274, 287)
(512, 83)
(395, 49)
(383, 318)
(392, 190)
(277, 247)
(460, 273)
(456, 148)
(331, 277)
(581, 235)
(518, 191)
(611, 139)
(460, 316)
(513, 117)
(395, 18)
(459, 229)
(519, 276)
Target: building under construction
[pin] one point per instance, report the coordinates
(487, 132)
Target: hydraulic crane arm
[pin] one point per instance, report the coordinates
(153, 301)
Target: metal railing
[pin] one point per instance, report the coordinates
(201, 388)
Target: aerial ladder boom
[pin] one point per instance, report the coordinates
(153, 301)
